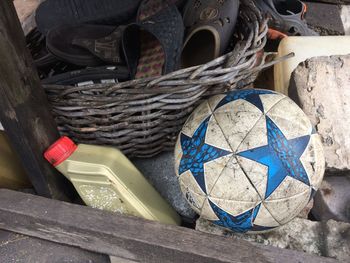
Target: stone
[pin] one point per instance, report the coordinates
(160, 172)
(324, 18)
(329, 239)
(321, 87)
(332, 200)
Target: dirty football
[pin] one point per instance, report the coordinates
(249, 160)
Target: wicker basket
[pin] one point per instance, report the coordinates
(143, 117)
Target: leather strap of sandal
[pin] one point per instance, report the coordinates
(106, 48)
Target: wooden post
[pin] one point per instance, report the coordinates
(24, 110)
(131, 239)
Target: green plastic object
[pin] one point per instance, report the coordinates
(106, 179)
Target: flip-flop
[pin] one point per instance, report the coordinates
(287, 16)
(86, 45)
(152, 45)
(89, 76)
(209, 25)
(53, 13)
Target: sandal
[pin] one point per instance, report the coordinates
(287, 16)
(89, 76)
(152, 45)
(86, 45)
(210, 25)
(53, 13)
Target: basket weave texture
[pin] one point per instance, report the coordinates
(143, 117)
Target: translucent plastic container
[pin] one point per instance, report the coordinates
(304, 48)
(106, 179)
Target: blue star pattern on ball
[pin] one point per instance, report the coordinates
(241, 223)
(252, 96)
(282, 156)
(196, 153)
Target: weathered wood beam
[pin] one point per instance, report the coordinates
(130, 238)
(35, 250)
(24, 110)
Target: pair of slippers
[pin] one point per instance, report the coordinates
(150, 46)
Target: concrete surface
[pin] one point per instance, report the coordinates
(159, 170)
(332, 201)
(328, 239)
(325, 19)
(320, 86)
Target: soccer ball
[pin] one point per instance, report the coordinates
(249, 161)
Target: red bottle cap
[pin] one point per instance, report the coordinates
(60, 150)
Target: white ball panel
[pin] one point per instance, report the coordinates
(233, 184)
(264, 218)
(254, 138)
(188, 180)
(207, 212)
(285, 209)
(313, 161)
(214, 101)
(257, 174)
(202, 112)
(269, 100)
(215, 137)
(290, 119)
(178, 155)
(196, 201)
(236, 119)
(213, 169)
(234, 208)
(289, 187)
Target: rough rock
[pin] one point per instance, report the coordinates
(332, 200)
(321, 86)
(329, 239)
(159, 170)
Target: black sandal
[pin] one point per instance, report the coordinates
(89, 76)
(54, 13)
(86, 45)
(152, 45)
(210, 25)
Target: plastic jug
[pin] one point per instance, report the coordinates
(304, 48)
(106, 179)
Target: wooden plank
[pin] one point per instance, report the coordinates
(132, 239)
(24, 110)
(19, 248)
